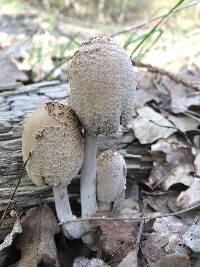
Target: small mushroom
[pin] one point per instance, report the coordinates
(111, 179)
(102, 83)
(53, 136)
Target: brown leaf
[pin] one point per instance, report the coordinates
(151, 251)
(191, 237)
(145, 80)
(182, 97)
(8, 253)
(172, 260)
(37, 239)
(130, 260)
(116, 237)
(189, 197)
(160, 203)
(173, 161)
(171, 228)
(184, 123)
(17, 228)
(150, 126)
(142, 97)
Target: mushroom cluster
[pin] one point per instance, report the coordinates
(102, 84)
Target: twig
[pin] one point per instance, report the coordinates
(172, 76)
(139, 236)
(174, 127)
(13, 194)
(174, 213)
(146, 22)
(163, 126)
(102, 219)
(149, 217)
(156, 193)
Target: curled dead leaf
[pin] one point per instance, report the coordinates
(173, 164)
(189, 197)
(116, 238)
(150, 126)
(36, 242)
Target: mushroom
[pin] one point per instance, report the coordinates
(111, 179)
(102, 85)
(53, 136)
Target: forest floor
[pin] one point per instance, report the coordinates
(162, 207)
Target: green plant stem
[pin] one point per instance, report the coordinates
(157, 25)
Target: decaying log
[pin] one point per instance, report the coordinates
(16, 103)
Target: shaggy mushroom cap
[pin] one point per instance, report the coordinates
(53, 136)
(111, 176)
(102, 84)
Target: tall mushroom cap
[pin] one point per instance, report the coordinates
(111, 176)
(102, 84)
(53, 136)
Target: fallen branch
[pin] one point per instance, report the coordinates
(172, 76)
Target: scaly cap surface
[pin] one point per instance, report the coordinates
(53, 136)
(102, 85)
(111, 176)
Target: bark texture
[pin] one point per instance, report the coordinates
(17, 102)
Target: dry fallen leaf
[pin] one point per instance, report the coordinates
(189, 197)
(36, 242)
(151, 250)
(116, 238)
(162, 203)
(196, 152)
(83, 262)
(191, 237)
(182, 97)
(172, 260)
(173, 162)
(145, 80)
(7, 251)
(142, 97)
(171, 228)
(150, 126)
(130, 260)
(184, 123)
(17, 229)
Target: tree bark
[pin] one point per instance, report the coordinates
(16, 103)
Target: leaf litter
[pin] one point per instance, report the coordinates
(167, 120)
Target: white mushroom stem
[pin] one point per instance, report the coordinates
(64, 213)
(88, 177)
